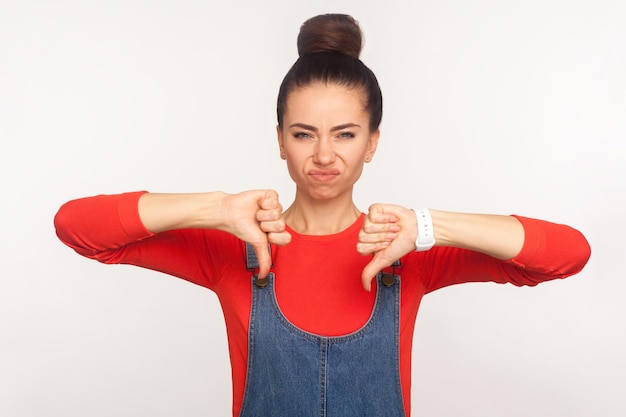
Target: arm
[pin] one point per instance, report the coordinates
(109, 228)
(501, 237)
(545, 249)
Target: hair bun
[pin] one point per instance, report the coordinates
(330, 33)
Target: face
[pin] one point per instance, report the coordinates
(326, 139)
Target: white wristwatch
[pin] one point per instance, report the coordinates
(425, 233)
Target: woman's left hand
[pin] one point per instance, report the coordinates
(389, 232)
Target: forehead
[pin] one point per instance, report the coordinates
(321, 103)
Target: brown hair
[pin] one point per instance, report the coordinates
(329, 46)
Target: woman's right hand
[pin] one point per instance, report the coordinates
(256, 217)
(253, 216)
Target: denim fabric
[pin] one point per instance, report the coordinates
(295, 373)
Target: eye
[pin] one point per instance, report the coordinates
(301, 135)
(346, 135)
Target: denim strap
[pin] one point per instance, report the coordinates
(252, 262)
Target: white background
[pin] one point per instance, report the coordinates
(490, 106)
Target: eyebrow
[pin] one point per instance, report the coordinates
(333, 129)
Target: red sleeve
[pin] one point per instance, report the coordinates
(550, 251)
(108, 228)
(92, 226)
(554, 249)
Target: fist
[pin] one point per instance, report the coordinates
(256, 217)
(389, 232)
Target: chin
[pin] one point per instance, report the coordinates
(326, 194)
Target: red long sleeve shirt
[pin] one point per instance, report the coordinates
(318, 284)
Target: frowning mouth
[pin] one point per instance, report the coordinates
(324, 175)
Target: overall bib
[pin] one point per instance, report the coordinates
(294, 373)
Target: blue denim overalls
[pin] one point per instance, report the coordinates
(293, 373)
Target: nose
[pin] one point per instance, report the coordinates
(324, 152)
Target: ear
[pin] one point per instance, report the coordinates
(372, 143)
(281, 141)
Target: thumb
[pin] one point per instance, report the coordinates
(376, 265)
(268, 199)
(261, 250)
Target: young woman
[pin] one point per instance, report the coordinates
(305, 337)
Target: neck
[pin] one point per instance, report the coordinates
(320, 217)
